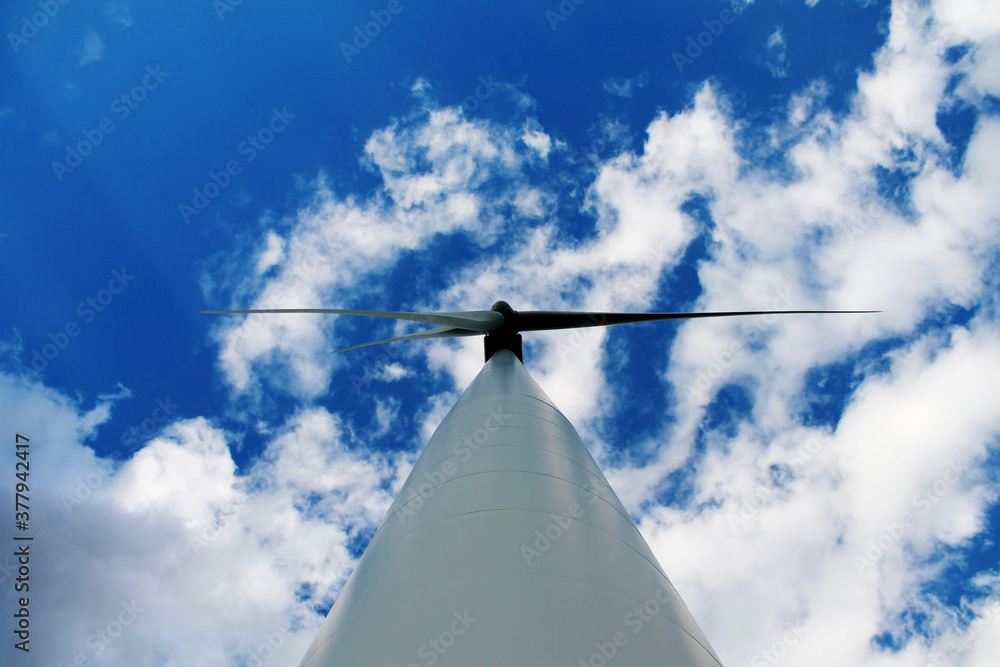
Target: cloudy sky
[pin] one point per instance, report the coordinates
(822, 490)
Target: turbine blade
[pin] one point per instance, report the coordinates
(440, 332)
(541, 320)
(478, 321)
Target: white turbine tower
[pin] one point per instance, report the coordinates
(506, 545)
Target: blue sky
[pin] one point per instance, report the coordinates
(226, 473)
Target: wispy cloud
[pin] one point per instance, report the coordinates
(625, 87)
(435, 173)
(93, 49)
(118, 13)
(290, 519)
(777, 54)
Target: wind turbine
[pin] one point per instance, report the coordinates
(506, 545)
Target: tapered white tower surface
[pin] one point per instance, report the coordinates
(507, 546)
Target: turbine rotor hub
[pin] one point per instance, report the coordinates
(509, 314)
(506, 337)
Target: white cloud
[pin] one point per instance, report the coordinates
(201, 563)
(820, 239)
(274, 252)
(394, 371)
(825, 239)
(386, 413)
(780, 510)
(433, 168)
(540, 141)
(805, 104)
(777, 54)
(532, 203)
(886, 478)
(93, 49)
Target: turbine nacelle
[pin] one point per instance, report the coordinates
(507, 336)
